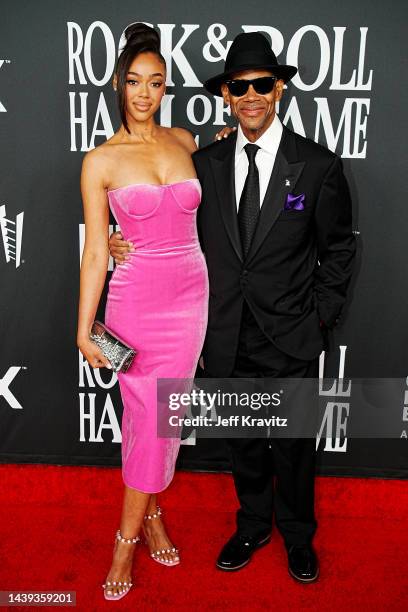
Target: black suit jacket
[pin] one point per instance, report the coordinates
(300, 262)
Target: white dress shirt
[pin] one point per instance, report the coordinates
(265, 158)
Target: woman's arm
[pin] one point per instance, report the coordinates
(95, 255)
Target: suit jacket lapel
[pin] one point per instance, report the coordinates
(224, 174)
(283, 180)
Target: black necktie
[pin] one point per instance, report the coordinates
(249, 203)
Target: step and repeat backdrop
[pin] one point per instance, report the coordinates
(57, 102)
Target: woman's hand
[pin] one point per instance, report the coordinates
(224, 133)
(93, 354)
(118, 248)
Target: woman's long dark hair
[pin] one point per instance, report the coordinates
(140, 38)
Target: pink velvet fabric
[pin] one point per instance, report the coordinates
(158, 303)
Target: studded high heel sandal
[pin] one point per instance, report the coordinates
(126, 585)
(158, 554)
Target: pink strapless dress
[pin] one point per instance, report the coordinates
(158, 303)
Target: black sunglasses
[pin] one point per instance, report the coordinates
(262, 85)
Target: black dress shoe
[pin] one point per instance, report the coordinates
(238, 551)
(303, 564)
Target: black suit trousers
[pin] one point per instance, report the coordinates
(273, 475)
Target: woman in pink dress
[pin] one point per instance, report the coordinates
(157, 301)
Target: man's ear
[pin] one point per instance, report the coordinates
(279, 89)
(225, 94)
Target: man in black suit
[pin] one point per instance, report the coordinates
(275, 227)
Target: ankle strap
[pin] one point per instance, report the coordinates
(155, 515)
(127, 540)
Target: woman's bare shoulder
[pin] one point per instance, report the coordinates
(100, 158)
(185, 137)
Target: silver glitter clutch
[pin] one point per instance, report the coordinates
(120, 355)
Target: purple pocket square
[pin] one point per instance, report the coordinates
(295, 202)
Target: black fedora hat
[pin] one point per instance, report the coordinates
(248, 51)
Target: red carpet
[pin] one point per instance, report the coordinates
(58, 524)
